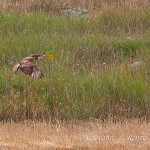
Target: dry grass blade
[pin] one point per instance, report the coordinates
(54, 6)
(129, 135)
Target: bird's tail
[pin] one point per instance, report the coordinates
(37, 74)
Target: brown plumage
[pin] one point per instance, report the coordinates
(27, 67)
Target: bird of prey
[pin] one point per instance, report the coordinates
(27, 67)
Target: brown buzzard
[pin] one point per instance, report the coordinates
(27, 67)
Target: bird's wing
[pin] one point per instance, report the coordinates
(27, 67)
(30, 69)
(16, 67)
(29, 58)
(35, 55)
(37, 73)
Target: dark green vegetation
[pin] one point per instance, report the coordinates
(91, 77)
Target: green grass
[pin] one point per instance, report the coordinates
(91, 78)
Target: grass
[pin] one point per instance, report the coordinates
(91, 77)
(75, 135)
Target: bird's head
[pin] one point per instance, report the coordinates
(42, 57)
(37, 56)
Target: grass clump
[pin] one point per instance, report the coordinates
(92, 76)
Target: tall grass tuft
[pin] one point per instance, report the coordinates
(93, 75)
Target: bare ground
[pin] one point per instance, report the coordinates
(75, 135)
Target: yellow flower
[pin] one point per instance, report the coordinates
(51, 55)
